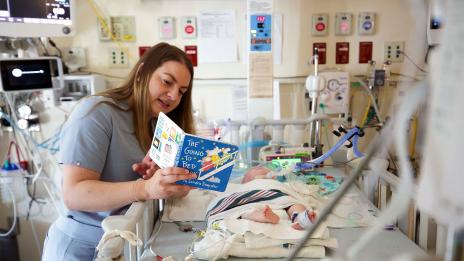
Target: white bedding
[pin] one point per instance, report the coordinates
(218, 246)
(245, 238)
(230, 235)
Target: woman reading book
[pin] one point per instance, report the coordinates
(103, 140)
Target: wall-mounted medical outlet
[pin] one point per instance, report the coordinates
(343, 23)
(189, 27)
(366, 23)
(320, 25)
(342, 53)
(118, 58)
(394, 51)
(365, 52)
(167, 29)
(322, 50)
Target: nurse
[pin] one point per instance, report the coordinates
(102, 143)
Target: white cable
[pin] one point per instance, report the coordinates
(58, 210)
(26, 138)
(371, 96)
(224, 241)
(400, 200)
(13, 200)
(36, 238)
(152, 238)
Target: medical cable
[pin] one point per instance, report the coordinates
(26, 136)
(412, 61)
(55, 205)
(374, 147)
(222, 234)
(376, 109)
(15, 214)
(371, 96)
(149, 243)
(53, 44)
(400, 200)
(36, 237)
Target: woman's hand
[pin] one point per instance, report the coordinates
(146, 168)
(162, 183)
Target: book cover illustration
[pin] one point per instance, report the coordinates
(211, 160)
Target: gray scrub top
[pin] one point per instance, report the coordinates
(100, 137)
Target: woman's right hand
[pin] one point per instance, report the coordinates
(162, 183)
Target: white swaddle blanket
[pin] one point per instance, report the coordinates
(245, 238)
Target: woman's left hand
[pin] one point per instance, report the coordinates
(146, 168)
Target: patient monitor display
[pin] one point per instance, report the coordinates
(29, 74)
(36, 18)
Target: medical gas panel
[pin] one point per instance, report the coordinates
(260, 33)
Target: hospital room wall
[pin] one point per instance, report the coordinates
(395, 22)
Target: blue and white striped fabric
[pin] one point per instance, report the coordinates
(242, 198)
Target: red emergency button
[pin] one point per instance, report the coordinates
(320, 27)
(189, 29)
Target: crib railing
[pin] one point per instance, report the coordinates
(417, 226)
(140, 216)
(138, 219)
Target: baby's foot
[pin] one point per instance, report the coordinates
(265, 215)
(303, 219)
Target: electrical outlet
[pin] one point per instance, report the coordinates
(118, 58)
(394, 52)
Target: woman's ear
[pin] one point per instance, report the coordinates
(137, 78)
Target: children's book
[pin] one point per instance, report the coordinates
(211, 160)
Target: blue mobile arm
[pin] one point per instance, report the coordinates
(352, 136)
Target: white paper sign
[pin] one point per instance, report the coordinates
(216, 37)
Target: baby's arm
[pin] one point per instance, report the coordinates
(255, 173)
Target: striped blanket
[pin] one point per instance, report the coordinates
(243, 198)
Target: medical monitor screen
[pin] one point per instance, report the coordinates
(35, 18)
(27, 75)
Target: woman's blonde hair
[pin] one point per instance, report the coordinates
(135, 91)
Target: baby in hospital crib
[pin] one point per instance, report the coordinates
(300, 216)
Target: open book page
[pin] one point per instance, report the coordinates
(166, 143)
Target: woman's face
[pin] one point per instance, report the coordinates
(167, 85)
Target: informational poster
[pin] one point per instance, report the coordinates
(260, 74)
(216, 37)
(240, 103)
(260, 6)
